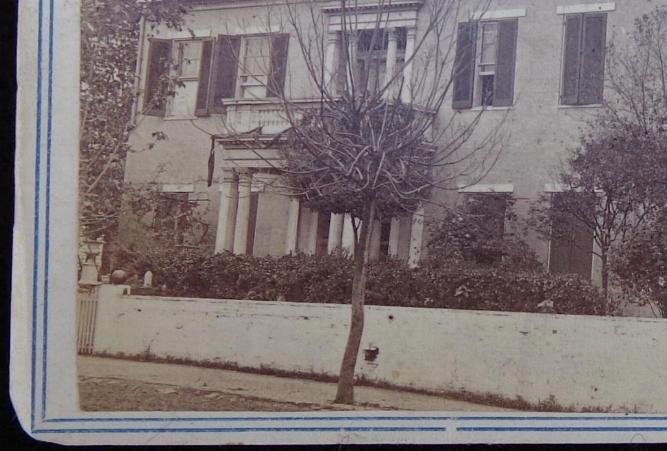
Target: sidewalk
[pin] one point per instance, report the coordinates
(279, 389)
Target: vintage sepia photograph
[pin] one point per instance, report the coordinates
(372, 205)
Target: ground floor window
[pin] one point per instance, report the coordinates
(322, 240)
(571, 247)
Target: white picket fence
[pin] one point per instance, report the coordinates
(87, 300)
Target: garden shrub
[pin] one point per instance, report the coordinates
(328, 279)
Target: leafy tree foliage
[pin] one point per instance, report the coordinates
(473, 234)
(614, 183)
(110, 34)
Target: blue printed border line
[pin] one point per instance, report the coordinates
(44, 332)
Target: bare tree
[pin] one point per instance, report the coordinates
(373, 143)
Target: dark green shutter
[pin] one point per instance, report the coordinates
(157, 73)
(226, 70)
(503, 93)
(571, 60)
(591, 80)
(464, 65)
(202, 105)
(276, 80)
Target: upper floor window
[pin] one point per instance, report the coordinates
(372, 56)
(484, 65)
(188, 59)
(212, 70)
(583, 58)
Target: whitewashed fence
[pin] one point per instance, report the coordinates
(577, 361)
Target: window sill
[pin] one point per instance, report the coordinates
(567, 107)
(492, 108)
(264, 101)
(180, 118)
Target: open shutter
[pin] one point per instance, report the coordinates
(203, 91)
(591, 80)
(276, 81)
(571, 60)
(157, 73)
(226, 70)
(464, 65)
(503, 93)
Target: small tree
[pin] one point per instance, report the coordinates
(642, 262)
(372, 147)
(599, 192)
(615, 181)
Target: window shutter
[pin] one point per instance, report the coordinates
(591, 80)
(159, 57)
(503, 93)
(201, 108)
(276, 81)
(571, 60)
(226, 70)
(464, 65)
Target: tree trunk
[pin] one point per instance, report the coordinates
(345, 391)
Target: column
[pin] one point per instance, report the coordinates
(375, 238)
(406, 93)
(224, 236)
(347, 241)
(312, 232)
(352, 51)
(331, 60)
(242, 214)
(292, 226)
(390, 68)
(335, 232)
(394, 234)
(416, 236)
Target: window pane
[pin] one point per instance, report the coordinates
(257, 56)
(487, 90)
(190, 55)
(489, 43)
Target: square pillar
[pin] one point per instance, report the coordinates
(416, 237)
(347, 241)
(331, 57)
(335, 232)
(390, 68)
(229, 195)
(292, 226)
(406, 92)
(375, 238)
(242, 214)
(394, 234)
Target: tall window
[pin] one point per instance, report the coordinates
(171, 219)
(212, 70)
(371, 57)
(571, 247)
(187, 55)
(322, 238)
(488, 210)
(385, 233)
(484, 65)
(583, 59)
(254, 70)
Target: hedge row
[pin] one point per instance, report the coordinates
(328, 279)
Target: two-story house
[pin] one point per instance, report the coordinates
(536, 65)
